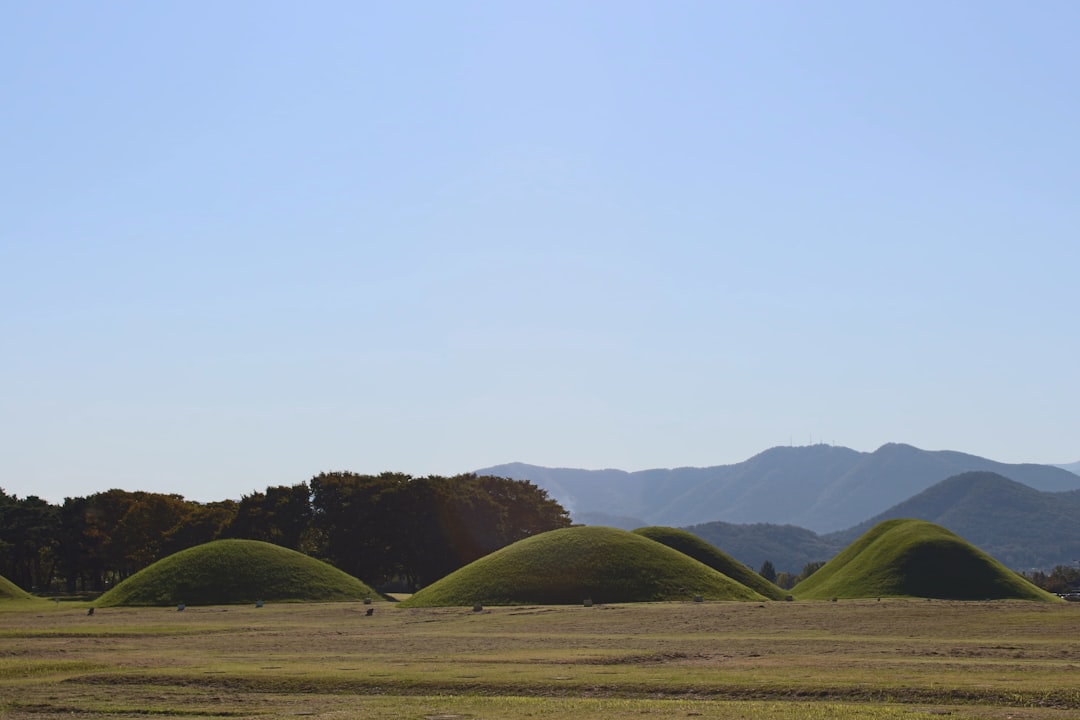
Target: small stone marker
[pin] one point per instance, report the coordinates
(90, 611)
(367, 601)
(477, 608)
(180, 607)
(587, 602)
(258, 603)
(698, 598)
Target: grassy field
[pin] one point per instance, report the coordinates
(850, 659)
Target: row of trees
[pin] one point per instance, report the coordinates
(1063, 579)
(788, 580)
(376, 527)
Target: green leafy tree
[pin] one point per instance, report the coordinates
(419, 529)
(29, 540)
(525, 509)
(105, 537)
(282, 515)
(767, 571)
(7, 545)
(809, 569)
(81, 552)
(143, 531)
(356, 518)
(199, 524)
(1062, 579)
(104, 513)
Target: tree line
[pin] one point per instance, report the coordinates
(1062, 579)
(785, 580)
(387, 528)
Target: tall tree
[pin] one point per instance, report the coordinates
(526, 509)
(767, 571)
(30, 531)
(82, 553)
(281, 515)
(199, 524)
(356, 518)
(103, 513)
(143, 530)
(7, 545)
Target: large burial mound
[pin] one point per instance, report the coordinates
(690, 544)
(575, 564)
(11, 591)
(915, 558)
(226, 572)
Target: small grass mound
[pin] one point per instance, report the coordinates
(11, 591)
(568, 566)
(231, 572)
(915, 558)
(689, 544)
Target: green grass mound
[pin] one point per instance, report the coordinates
(230, 572)
(704, 552)
(567, 566)
(11, 591)
(915, 558)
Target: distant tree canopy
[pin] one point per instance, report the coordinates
(378, 527)
(28, 540)
(375, 527)
(1062, 579)
(281, 515)
(108, 536)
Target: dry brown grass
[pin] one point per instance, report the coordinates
(767, 660)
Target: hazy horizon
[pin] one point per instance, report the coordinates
(207, 495)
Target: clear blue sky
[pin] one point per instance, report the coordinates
(245, 242)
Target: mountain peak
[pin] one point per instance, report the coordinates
(821, 487)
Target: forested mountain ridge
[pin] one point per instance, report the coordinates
(824, 488)
(1021, 527)
(788, 547)
(1071, 467)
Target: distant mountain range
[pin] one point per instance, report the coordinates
(796, 505)
(823, 488)
(1071, 467)
(1021, 527)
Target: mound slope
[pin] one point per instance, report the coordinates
(227, 572)
(569, 565)
(915, 558)
(690, 544)
(11, 591)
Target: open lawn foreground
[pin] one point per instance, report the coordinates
(849, 659)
